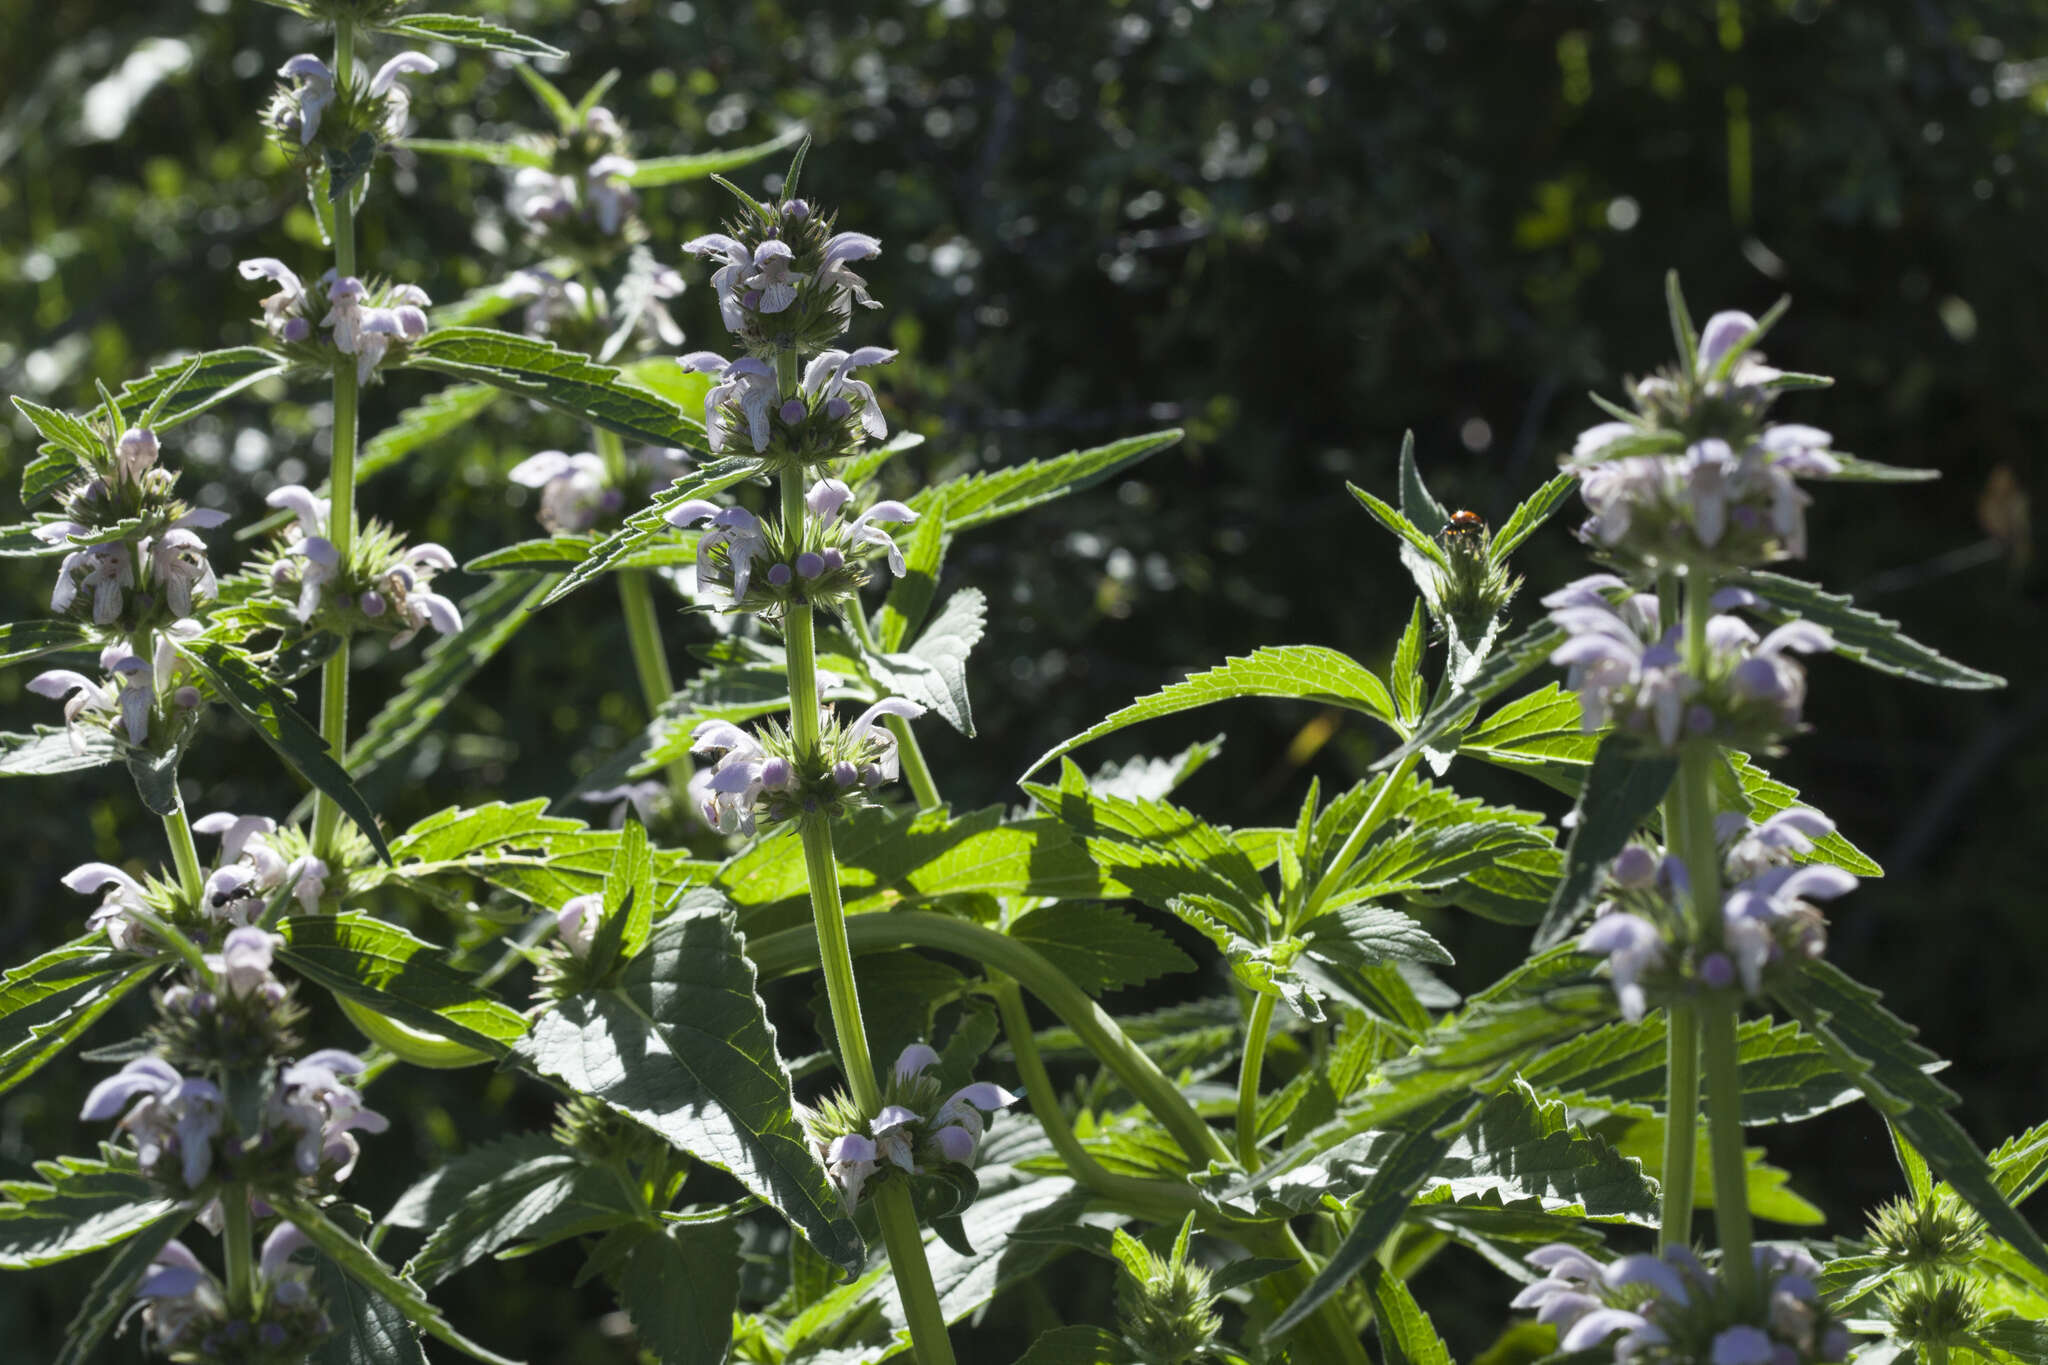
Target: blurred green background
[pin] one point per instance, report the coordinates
(1294, 229)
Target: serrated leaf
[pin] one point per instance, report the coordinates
(1407, 1336)
(1160, 851)
(543, 859)
(681, 1044)
(1767, 1190)
(218, 376)
(1287, 672)
(1862, 636)
(1099, 947)
(368, 1330)
(273, 714)
(1363, 935)
(1414, 537)
(361, 1264)
(1079, 1345)
(1891, 1070)
(346, 169)
(978, 499)
(679, 1286)
(1404, 676)
(33, 639)
(648, 526)
(672, 170)
(511, 1193)
(628, 906)
(88, 1206)
(47, 1002)
(1529, 517)
(72, 435)
(463, 30)
(564, 380)
(1855, 470)
(387, 968)
(550, 96)
(2020, 1165)
(50, 750)
(1621, 791)
(910, 596)
(1742, 785)
(933, 672)
(1503, 667)
(1418, 504)
(111, 1295)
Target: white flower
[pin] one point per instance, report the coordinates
(178, 559)
(134, 453)
(728, 791)
(1633, 945)
(406, 579)
(283, 312)
(773, 289)
(314, 92)
(576, 922)
(115, 914)
(747, 382)
(609, 194)
(734, 528)
(539, 196)
(107, 572)
(834, 274)
(575, 491)
(849, 1161)
(131, 694)
(242, 966)
(828, 382)
(726, 279)
(396, 99)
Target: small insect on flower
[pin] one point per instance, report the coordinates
(1463, 525)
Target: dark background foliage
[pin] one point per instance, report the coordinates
(1294, 229)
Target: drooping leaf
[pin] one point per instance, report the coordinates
(682, 1045)
(111, 1295)
(1621, 792)
(386, 968)
(648, 526)
(273, 714)
(673, 170)
(1864, 636)
(87, 1206)
(563, 380)
(679, 1285)
(47, 1002)
(978, 499)
(49, 750)
(1292, 672)
(933, 672)
(463, 30)
(503, 1194)
(1741, 784)
(1098, 947)
(541, 858)
(362, 1265)
(368, 1329)
(1880, 1054)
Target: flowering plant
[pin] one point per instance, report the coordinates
(1265, 1170)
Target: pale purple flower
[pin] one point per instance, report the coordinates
(135, 452)
(642, 798)
(1767, 675)
(82, 698)
(1594, 441)
(105, 572)
(726, 280)
(313, 93)
(231, 894)
(1707, 470)
(1659, 1275)
(345, 313)
(1633, 945)
(115, 913)
(576, 922)
(1722, 333)
(1602, 1323)
(170, 1115)
(325, 1110)
(865, 531)
(825, 497)
(914, 1061)
(397, 100)
(575, 490)
(770, 278)
(849, 1161)
(748, 383)
(178, 560)
(1743, 1345)
(550, 299)
(243, 964)
(727, 792)
(287, 305)
(828, 383)
(835, 274)
(734, 528)
(965, 1107)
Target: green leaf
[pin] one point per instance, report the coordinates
(1501, 669)
(564, 380)
(273, 714)
(347, 169)
(1684, 336)
(548, 554)
(1407, 1336)
(47, 1002)
(1742, 785)
(44, 475)
(1404, 676)
(1621, 792)
(111, 1295)
(1526, 519)
(672, 170)
(1855, 470)
(679, 1285)
(50, 750)
(1540, 733)
(1160, 851)
(202, 382)
(910, 596)
(72, 435)
(933, 672)
(628, 902)
(1890, 1068)
(503, 1194)
(87, 1206)
(368, 1330)
(1418, 504)
(1293, 672)
(1101, 948)
(703, 1069)
(2027, 1341)
(1863, 636)
(385, 967)
(462, 30)
(1767, 1189)
(360, 1264)
(647, 526)
(978, 499)
(2020, 1165)
(1422, 542)
(33, 639)
(550, 97)
(490, 618)
(543, 859)
(1918, 1178)
(1078, 1345)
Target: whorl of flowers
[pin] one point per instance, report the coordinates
(603, 320)
(371, 322)
(1673, 1310)
(759, 568)
(1645, 926)
(785, 278)
(310, 111)
(831, 415)
(1629, 673)
(185, 1309)
(917, 1127)
(1695, 476)
(386, 587)
(761, 773)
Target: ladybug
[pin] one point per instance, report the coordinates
(1463, 524)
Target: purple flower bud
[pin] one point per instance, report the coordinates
(1835, 1345)
(955, 1144)
(1635, 866)
(1719, 336)
(810, 565)
(186, 697)
(296, 330)
(838, 409)
(779, 576)
(1743, 1345)
(775, 774)
(1717, 971)
(834, 560)
(914, 1060)
(1699, 719)
(793, 412)
(844, 773)
(796, 210)
(372, 603)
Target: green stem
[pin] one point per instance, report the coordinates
(236, 1240)
(792, 949)
(1255, 1034)
(191, 881)
(1681, 1123)
(1724, 1136)
(920, 1297)
(836, 959)
(175, 939)
(915, 770)
(341, 515)
(1348, 851)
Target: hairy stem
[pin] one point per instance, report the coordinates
(1702, 856)
(175, 939)
(835, 957)
(920, 1297)
(237, 1239)
(1346, 853)
(1256, 1031)
(178, 831)
(341, 515)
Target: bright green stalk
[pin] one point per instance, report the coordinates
(341, 491)
(175, 938)
(237, 1239)
(1255, 1033)
(1682, 1037)
(835, 957)
(920, 1297)
(916, 771)
(1353, 842)
(178, 831)
(1702, 855)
